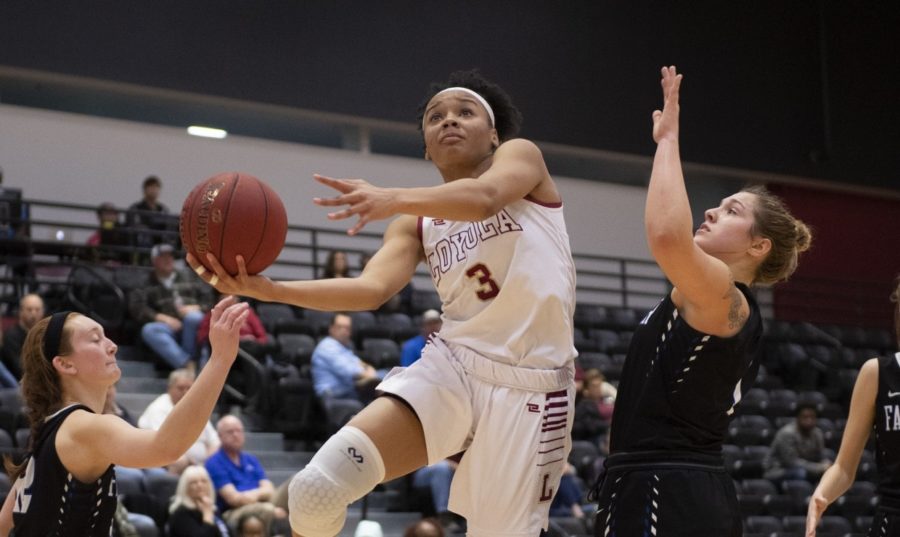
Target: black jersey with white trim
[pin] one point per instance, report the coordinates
(679, 386)
(51, 502)
(887, 427)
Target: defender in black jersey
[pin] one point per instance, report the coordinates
(51, 499)
(66, 486)
(694, 355)
(874, 407)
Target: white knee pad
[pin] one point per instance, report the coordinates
(345, 469)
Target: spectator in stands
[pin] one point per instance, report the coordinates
(170, 306)
(401, 302)
(427, 527)
(437, 478)
(31, 310)
(579, 383)
(109, 234)
(412, 348)
(594, 411)
(251, 525)
(149, 213)
(337, 372)
(873, 407)
(254, 338)
(336, 265)
(112, 406)
(797, 449)
(239, 478)
(180, 381)
(567, 502)
(193, 509)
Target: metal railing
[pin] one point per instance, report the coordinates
(40, 251)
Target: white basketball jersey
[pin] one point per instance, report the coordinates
(507, 284)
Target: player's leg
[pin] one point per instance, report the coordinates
(507, 479)
(385, 440)
(397, 433)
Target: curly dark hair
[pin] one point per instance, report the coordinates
(507, 118)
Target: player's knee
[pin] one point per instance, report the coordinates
(317, 505)
(346, 468)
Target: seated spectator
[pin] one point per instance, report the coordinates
(412, 348)
(251, 525)
(337, 372)
(336, 265)
(111, 406)
(253, 336)
(567, 501)
(239, 478)
(401, 302)
(593, 413)
(437, 478)
(579, 383)
(155, 414)
(110, 233)
(170, 307)
(193, 510)
(427, 527)
(149, 213)
(31, 310)
(797, 449)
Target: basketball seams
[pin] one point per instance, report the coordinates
(265, 196)
(236, 177)
(234, 226)
(187, 221)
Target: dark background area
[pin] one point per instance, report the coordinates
(803, 88)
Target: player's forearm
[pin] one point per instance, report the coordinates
(185, 423)
(334, 294)
(667, 216)
(462, 200)
(835, 482)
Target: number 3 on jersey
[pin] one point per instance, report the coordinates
(489, 288)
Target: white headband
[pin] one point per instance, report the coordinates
(474, 94)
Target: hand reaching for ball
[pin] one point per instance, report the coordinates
(241, 284)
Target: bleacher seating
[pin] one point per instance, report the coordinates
(801, 363)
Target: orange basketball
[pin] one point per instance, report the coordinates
(233, 214)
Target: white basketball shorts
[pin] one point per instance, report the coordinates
(513, 423)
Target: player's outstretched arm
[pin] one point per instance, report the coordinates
(706, 283)
(88, 443)
(391, 268)
(838, 478)
(517, 169)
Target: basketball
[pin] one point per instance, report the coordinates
(233, 214)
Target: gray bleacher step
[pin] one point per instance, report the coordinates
(392, 524)
(135, 403)
(132, 368)
(283, 460)
(139, 384)
(259, 441)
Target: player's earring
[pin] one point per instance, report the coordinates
(427, 156)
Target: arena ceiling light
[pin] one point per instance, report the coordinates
(207, 132)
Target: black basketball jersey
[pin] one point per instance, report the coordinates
(679, 386)
(887, 427)
(51, 502)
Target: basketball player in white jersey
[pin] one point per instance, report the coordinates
(875, 406)
(497, 381)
